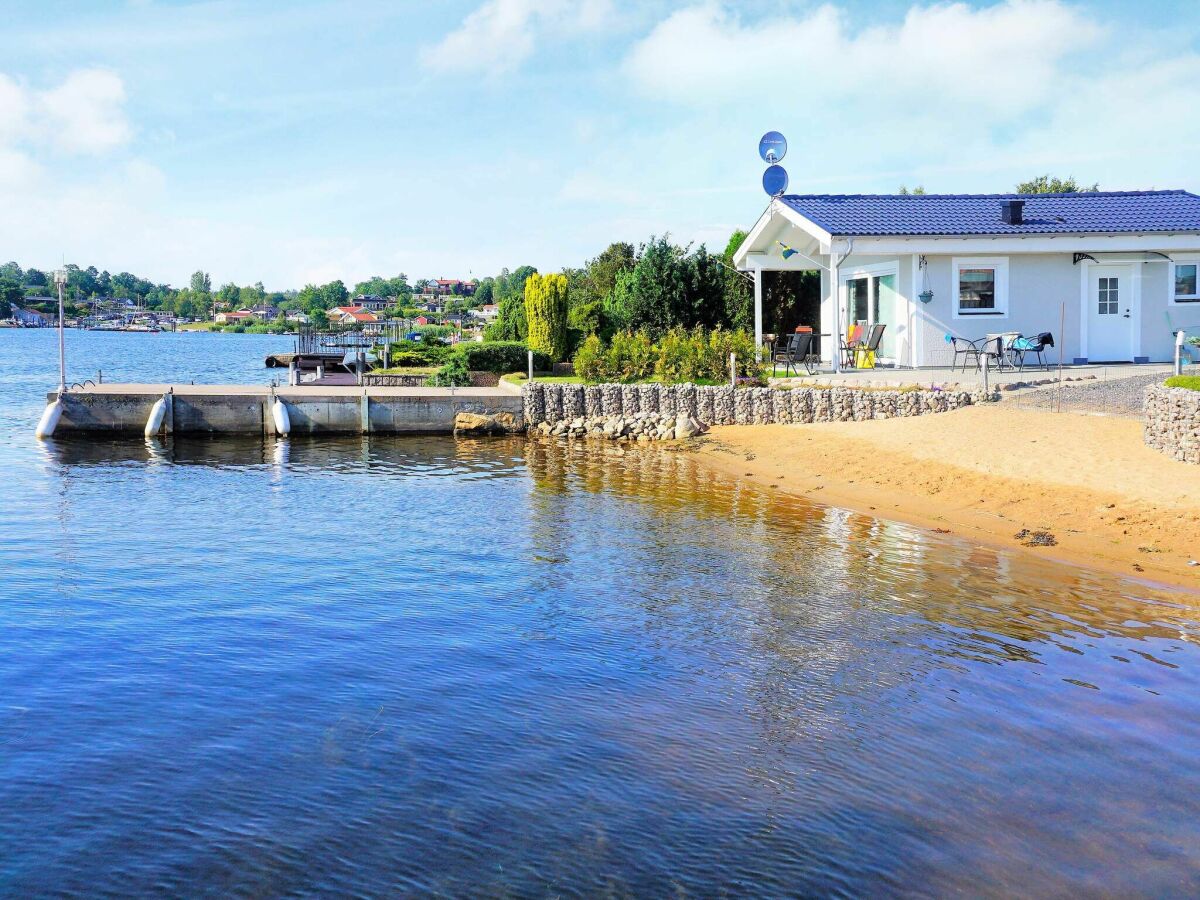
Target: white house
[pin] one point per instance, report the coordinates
(1118, 268)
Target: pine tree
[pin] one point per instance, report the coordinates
(546, 306)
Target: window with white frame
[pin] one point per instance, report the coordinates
(1186, 277)
(980, 287)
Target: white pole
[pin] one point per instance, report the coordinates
(758, 331)
(60, 278)
(835, 290)
(733, 370)
(1179, 352)
(531, 365)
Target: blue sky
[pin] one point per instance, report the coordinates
(313, 140)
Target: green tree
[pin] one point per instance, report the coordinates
(918, 191)
(334, 294)
(603, 270)
(201, 283)
(1047, 184)
(510, 324)
(36, 277)
(546, 306)
(738, 288)
(230, 295)
(12, 272)
(10, 293)
(651, 295)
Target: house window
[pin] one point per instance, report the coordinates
(1186, 288)
(1108, 296)
(981, 287)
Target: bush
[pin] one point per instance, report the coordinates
(453, 374)
(589, 359)
(1191, 382)
(411, 358)
(501, 357)
(679, 356)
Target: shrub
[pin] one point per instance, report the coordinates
(589, 359)
(501, 357)
(678, 356)
(453, 374)
(1191, 382)
(546, 314)
(401, 358)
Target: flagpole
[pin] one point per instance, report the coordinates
(60, 279)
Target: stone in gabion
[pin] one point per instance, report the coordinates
(631, 400)
(723, 412)
(705, 407)
(743, 406)
(783, 407)
(667, 400)
(593, 401)
(648, 397)
(572, 401)
(535, 403)
(610, 399)
(554, 407)
(801, 403)
(685, 400)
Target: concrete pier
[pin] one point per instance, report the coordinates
(245, 409)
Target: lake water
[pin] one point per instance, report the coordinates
(424, 665)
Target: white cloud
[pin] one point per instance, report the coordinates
(999, 59)
(501, 34)
(85, 114)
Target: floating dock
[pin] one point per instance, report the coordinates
(247, 409)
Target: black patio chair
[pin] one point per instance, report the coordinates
(1037, 346)
(873, 339)
(991, 350)
(964, 349)
(797, 353)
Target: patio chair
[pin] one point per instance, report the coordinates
(992, 350)
(963, 349)
(1037, 346)
(797, 353)
(850, 344)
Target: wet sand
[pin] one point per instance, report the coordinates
(1095, 493)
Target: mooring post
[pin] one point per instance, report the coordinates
(364, 410)
(169, 418)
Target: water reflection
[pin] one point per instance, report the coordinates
(510, 666)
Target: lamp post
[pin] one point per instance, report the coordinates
(60, 279)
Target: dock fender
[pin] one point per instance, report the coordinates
(157, 413)
(50, 417)
(283, 422)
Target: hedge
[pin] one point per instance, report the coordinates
(501, 357)
(1191, 382)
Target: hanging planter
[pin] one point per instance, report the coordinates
(926, 295)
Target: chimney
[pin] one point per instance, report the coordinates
(1012, 212)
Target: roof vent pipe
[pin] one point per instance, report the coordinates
(1012, 212)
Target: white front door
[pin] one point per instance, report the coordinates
(1110, 314)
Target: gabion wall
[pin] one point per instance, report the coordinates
(1171, 422)
(744, 406)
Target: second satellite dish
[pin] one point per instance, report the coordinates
(772, 147)
(775, 180)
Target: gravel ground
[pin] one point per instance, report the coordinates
(1115, 397)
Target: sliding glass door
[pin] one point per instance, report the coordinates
(870, 299)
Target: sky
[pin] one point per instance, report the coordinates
(301, 142)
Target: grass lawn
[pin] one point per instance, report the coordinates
(1191, 382)
(406, 370)
(195, 326)
(520, 378)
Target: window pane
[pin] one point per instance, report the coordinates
(1185, 280)
(977, 289)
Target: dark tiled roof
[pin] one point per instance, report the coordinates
(1099, 212)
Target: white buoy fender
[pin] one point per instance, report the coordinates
(50, 417)
(157, 412)
(283, 422)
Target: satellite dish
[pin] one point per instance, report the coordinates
(775, 180)
(772, 147)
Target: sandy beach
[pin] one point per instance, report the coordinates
(1075, 487)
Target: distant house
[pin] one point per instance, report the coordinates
(372, 302)
(232, 317)
(452, 319)
(266, 311)
(298, 317)
(31, 318)
(421, 320)
(487, 313)
(352, 315)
